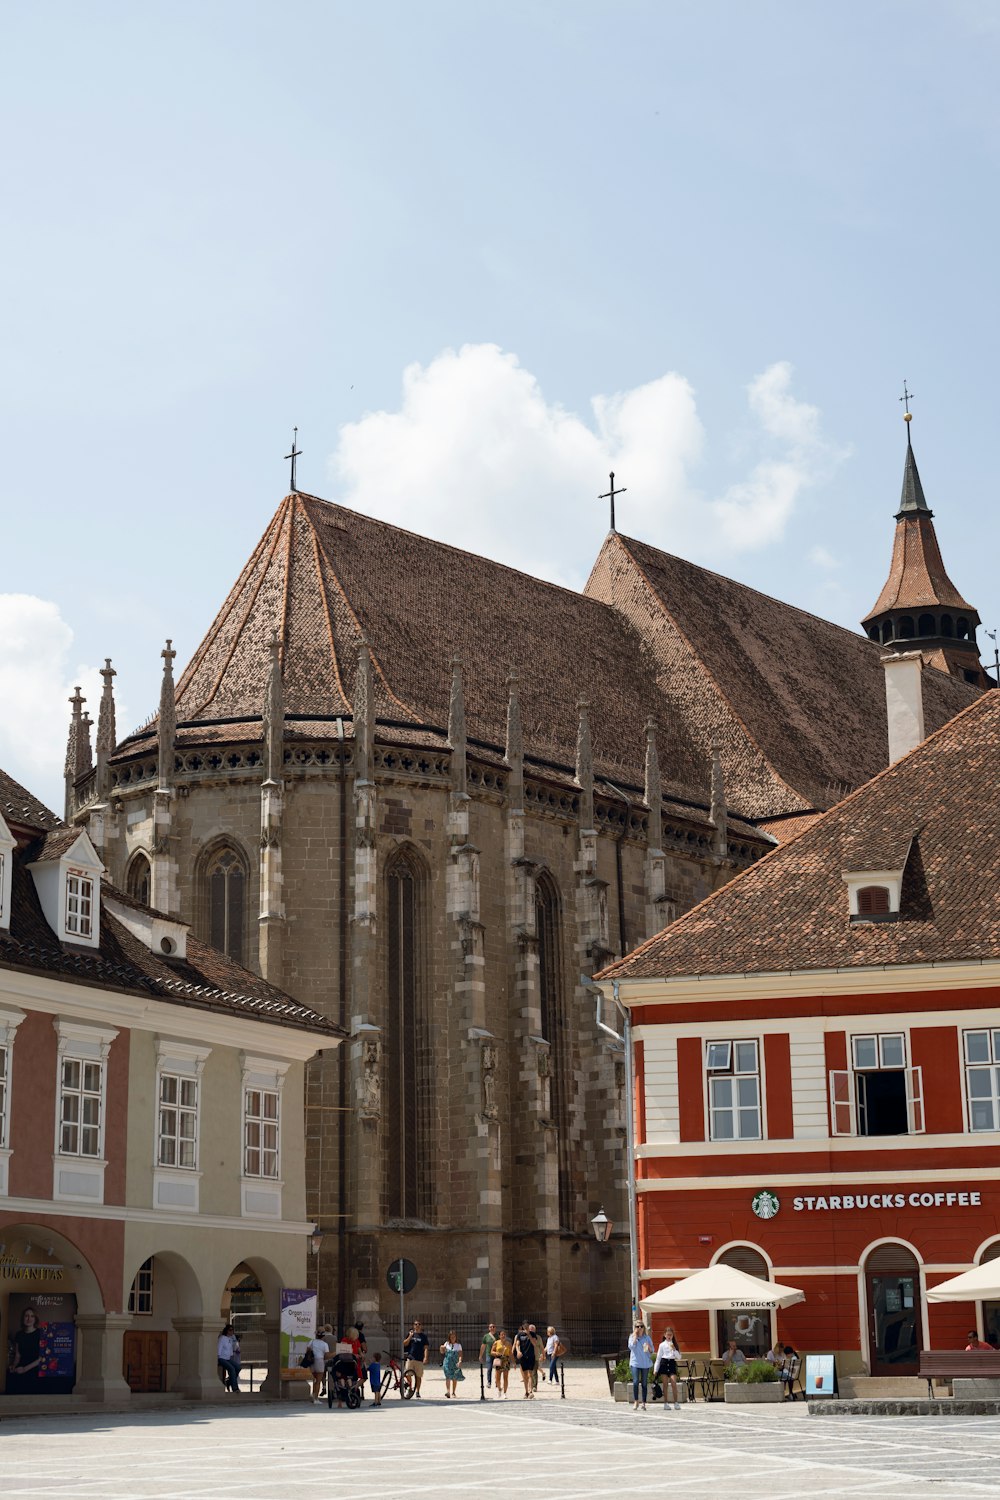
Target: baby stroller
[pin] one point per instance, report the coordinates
(343, 1378)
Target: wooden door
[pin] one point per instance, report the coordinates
(145, 1361)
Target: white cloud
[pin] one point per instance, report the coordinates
(36, 680)
(477, 456)
(822, 557)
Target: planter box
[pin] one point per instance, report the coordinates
(623, 1392)
(767, 1391)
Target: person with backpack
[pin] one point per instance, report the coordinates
(314, 1360)
(524, 1358)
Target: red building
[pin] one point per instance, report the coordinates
(817, 1062)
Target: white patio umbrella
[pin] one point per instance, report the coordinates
(981, 1284)
(722, 1288)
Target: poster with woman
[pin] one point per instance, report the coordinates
(41, 1344)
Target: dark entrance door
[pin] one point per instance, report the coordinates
(145, 1361)
(893, 1289)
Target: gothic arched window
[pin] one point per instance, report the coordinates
(553, 1026)
(409, 1074)
(137, 878)
(226, 883)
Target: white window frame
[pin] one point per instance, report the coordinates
(10, 1020)
(177, 1189)
(260, 1197)
(992, 1067)
(79, 896)
(716, 1073)
(140, 1297)
(76, 1177)
(261, 1122)
(843, 1088)
(81, 1092)
(182, 1109)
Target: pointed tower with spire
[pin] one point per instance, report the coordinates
(920, 607)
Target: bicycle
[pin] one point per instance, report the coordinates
(395, 1378)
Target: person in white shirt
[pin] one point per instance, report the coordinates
(667, 1355)
(229, 1359)
(320, 1349)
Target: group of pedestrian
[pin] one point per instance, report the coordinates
(535, 1357)
(643, 1356)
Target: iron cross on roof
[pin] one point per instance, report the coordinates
(906, 398)
(610, 495)
(295, 453)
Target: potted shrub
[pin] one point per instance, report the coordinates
(756, 1381)
(623, 1381)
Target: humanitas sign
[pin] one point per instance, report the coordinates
(887, 1200)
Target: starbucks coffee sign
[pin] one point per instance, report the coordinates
(765, 1204)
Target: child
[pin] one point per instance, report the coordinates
(375, 1377)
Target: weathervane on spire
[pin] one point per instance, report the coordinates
(906, 398)
(295, 453)
(612, 492)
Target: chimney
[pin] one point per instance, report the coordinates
(904, 702)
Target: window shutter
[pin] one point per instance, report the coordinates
(873, 900)
(841, 1102)
(915, 1100)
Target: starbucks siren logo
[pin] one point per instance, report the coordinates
(765, 1204)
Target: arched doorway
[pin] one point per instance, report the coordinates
(892, 1299)
(163, 1289)
(46, 1287)
(752, 1330)
(245, 1306)
(991, 1310)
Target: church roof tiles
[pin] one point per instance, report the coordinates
(797, 703)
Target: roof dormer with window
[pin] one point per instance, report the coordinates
(164, 936)
(67, 873)
(873, 895)
(7, 846)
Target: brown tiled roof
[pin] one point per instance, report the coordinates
(19, 806)
(55, 844)
(790, 911)
(205, 980)
(917, 576)
(798, 704)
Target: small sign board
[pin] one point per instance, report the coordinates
(407, 1269)
(821, 1376)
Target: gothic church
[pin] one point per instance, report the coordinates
(429, 796)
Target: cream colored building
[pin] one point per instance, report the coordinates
(151, 1138)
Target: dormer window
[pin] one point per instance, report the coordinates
(79, 905)
(873, 895)
(873, 901)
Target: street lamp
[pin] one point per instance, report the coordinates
(602, 1227)
(315, 1240)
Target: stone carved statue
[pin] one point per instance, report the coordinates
(371, 1083)
(489, 1069)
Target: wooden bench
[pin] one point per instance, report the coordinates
(945, 1364)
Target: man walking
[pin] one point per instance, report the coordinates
(538, 1344)
(415, 1347)
(486, 1351)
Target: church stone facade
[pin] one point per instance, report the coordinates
(429, 797)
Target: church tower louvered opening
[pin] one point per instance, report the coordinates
(409, 1070)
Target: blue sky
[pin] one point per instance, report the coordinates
(740, 226)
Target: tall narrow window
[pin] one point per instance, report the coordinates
(733, 1090)
(80, 1103)
(407, 1049)
(260, 1133)
(140, 1298)
(137, 881)
(982, 1079)
(553, 1019)
(227, 903)
(79, 905)
(178, 1129)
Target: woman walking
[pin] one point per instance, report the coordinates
(640, 1358)
(452, 1351)
(552, 1353)
(667, 1356)
(501, 1352)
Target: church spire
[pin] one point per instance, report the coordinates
(166, 728)
(514, 749)
(456, 729)
(919, 606)
(274, 715)
(106, 732)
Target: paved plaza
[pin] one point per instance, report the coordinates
(578, 1447)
